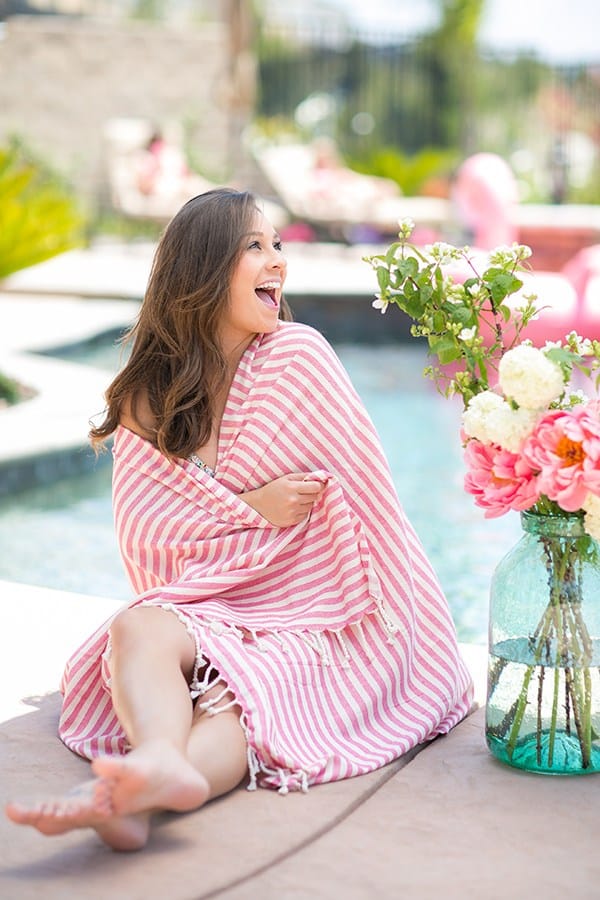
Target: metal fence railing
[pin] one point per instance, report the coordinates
(369, 91)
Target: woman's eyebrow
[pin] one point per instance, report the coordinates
(276, 236)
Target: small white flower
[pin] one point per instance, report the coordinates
(529, 378)
(579, 396)
(453, 292)
(380, 303)
(443, 253)
(506, 255)
(580, 345)
(406, 226)
(467, 334)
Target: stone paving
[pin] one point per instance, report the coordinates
(448, 821)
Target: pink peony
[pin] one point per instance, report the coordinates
(565, 448)
(498, 479)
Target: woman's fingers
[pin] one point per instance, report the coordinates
(310, 487)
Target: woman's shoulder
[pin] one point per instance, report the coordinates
(136, 416)
(297, 335)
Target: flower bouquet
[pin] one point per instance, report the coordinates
(531, 440)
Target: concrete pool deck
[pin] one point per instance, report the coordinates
(449, 821)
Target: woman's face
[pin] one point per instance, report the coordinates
(256, 288)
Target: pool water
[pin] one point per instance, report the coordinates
(61, 535)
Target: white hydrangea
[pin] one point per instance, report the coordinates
(491, 419)
(529, 378)
(592, 516)
(509, 427)
(476, 417)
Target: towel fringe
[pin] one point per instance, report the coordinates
(346, 655)
(285, 779)
(328, 646)
(253, 767)
(214, 711)
(359, 630)
(316, 642)
(388, 623)
(208, 705)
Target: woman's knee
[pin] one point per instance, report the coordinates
(155, 627)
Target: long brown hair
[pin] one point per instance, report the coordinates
(176, 361)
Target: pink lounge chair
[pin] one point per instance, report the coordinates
(486, 201)
(557, 303)
(583, 272)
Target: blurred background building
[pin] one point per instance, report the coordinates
(401, 91)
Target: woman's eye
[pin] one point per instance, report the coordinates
(254, 245)
(278, 245)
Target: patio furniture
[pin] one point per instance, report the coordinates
(338, 203)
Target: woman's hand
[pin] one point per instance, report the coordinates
(286, 500)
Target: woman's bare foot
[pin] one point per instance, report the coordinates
(89, 805)
(118, 803)
(153, 776)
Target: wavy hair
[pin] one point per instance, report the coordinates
(176, 361)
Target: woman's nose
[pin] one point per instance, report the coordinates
(277, 259)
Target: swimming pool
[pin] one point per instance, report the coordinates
(70, 522)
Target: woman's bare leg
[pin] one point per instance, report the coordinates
(151, 663)
(152, 658)
(217, 744)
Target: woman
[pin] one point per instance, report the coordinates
(287, 627)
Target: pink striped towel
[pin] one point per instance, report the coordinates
(333, 635)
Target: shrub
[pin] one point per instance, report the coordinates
(39, 217)
(412, 173)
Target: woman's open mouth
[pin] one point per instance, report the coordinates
(267, 293)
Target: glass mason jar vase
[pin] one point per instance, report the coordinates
(543, 696)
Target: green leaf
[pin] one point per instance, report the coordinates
(390, 256)
(383, 278)
(448, 356)
(439, 321)
(414, 306)
(408, 267)
(501, 285)
(442, 344)
(483, 369)
(461, 314)
(560, 356)
(426, 293)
